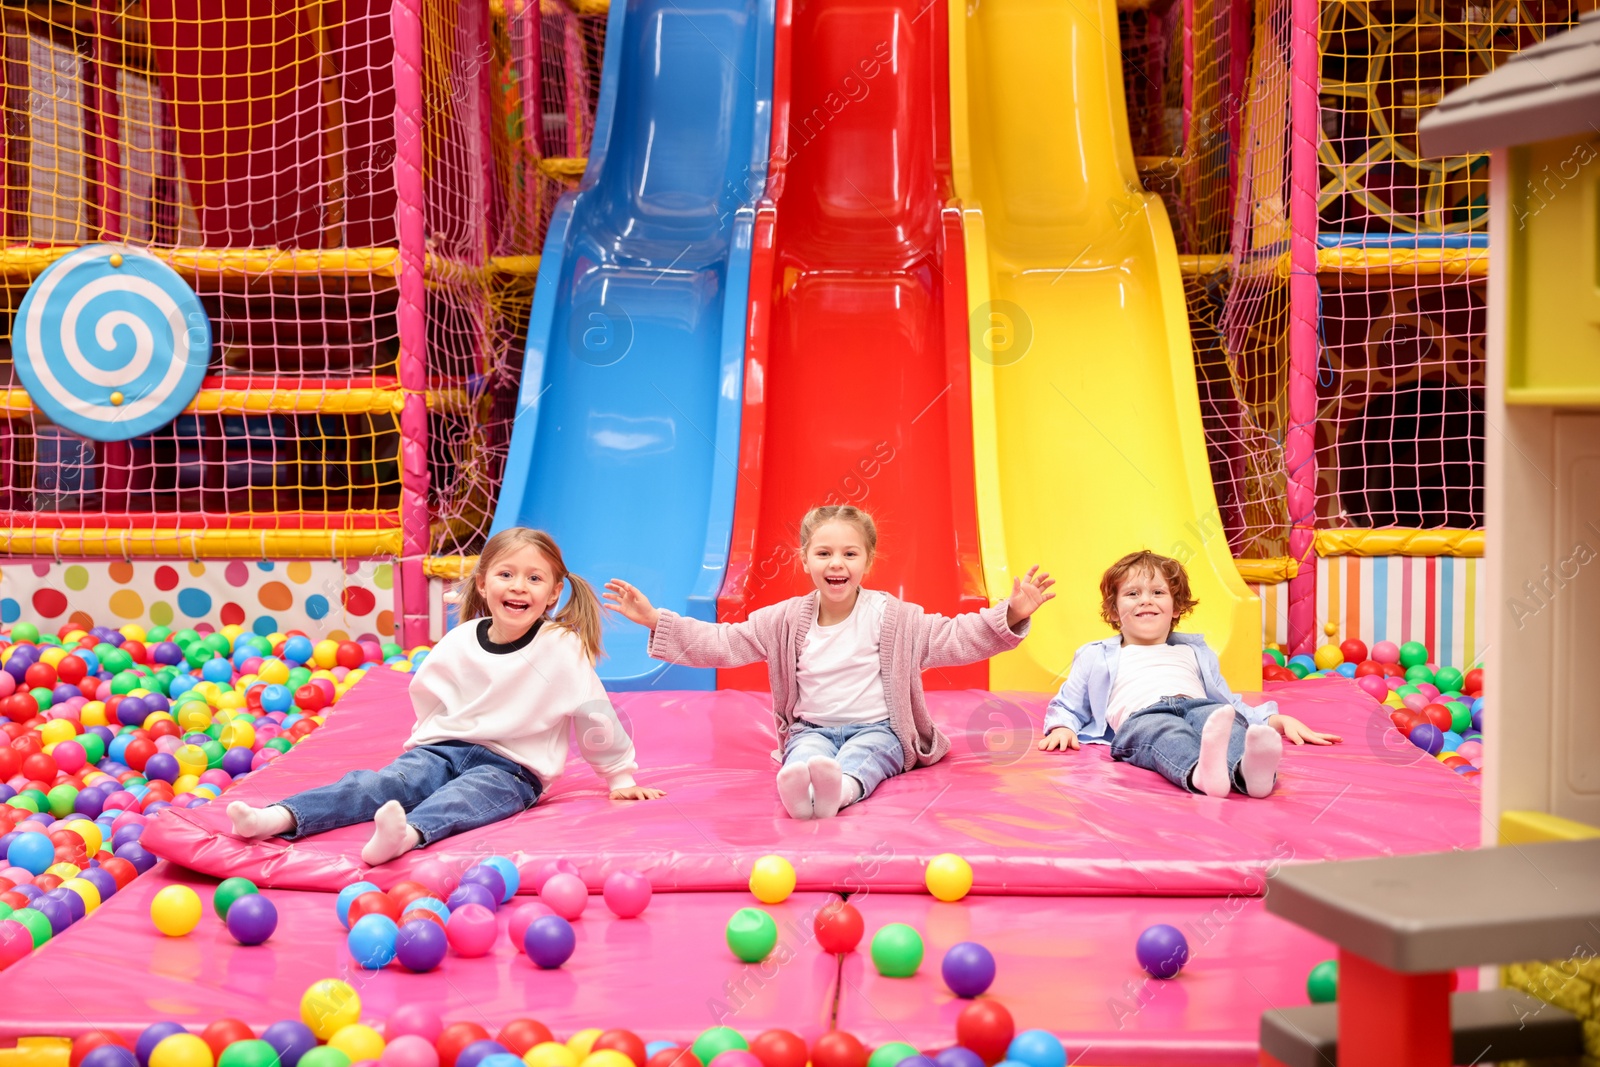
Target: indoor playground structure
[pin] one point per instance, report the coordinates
(305, 300)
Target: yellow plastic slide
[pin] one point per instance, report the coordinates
(1086, 416)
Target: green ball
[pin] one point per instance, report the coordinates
(299, 676)
(42, 697)
(718, 1039)
(1406, 690)
(890, 1055)
(115, 660)
(1277, 657)
(137, 779)
(94, 749)
(198, 655)
(1300, 670)
(1419, 673)
(261, 646)
(38, 797)
(282, 744)
(1413, 653)
(228, 891)
(184, 638)
(324, 1056)
(62, 797)
(158, 635)
(25, 631)
(751, 933)
(50, 639)
(214, 731)
(25, 802)
(213, 749)
(249, 1054)
(38, 926)
(218, 643)
(1322, 984)
(5, 910)
(1448, 678)
(897, 951)
(1460, 716)
(392, 649)
(125, 683)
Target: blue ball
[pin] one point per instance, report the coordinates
(217, 670)
(1452, 741)
(653, 1047)
(508, 871)
(433, 904)
(421, 945)
(152, 1036)
(549, 941)
(501, 1059)
(181, 685)
(1162, 950)
(1305, 661)
(32, 851)
(1037, 1048)
(291, 1039)
(297, 649)
(276, 698)
(1346, 669)
(90, 660)
(968, 969)
(372, 941)
(479, 1051)
(347, 895)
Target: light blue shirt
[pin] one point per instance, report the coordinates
(1081, 703)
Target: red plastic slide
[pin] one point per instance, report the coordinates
(856, 389)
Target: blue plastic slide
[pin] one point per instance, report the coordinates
(627, 429)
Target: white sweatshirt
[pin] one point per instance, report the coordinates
(520, 700)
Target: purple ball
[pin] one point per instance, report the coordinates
(17, 666)
(1162, 951)
(489, 878)
(56, 910)
(236, 761)
(109, 1056)
(101, 880)
(135, 854)
(132, 711)
(6, 792)
(32, 892)
(155, 806)
(549, 941)
(473, 893)
(959, 1056)
(157, 702)
(75, 906)
(421, 945)
(479, 1051)
(152, 1036)
(968, 969)
(126, 833)
(1427, 737)
(167, 654)
(64, 692)
(252, 919)
(106, 734)
(8, 837)
(90, 802)
(162, 765)
(291, 1038)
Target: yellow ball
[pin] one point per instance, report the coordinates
(52, 656)
(329, 1006)
(185, 783)
(550, 1054)
(155, 717)
(232, 631)
(87, 890)
(191, 760)
(88, 831)
(141, 692)
(1328, 657)
(949, 877)
(325, 654)
(175, 910)
(56, 730)
(355, 676)
(1330, 628)
(607, 1057)
(273, 672)
(133, 632)
(238, 735)
(232, 701)
(358, 1041)
(93, 714)
(194, 716)
(63, 871)
(772, 879)
(582, 1042)
(181, 1050)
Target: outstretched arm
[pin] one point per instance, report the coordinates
(679, 639)
(1028, 594)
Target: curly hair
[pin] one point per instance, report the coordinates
(1146, 562)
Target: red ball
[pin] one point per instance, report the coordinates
(1369, 666)
(372, 903)
(165, 728)
(454, 1037)
(84, 1044)
(72, 670)
(779, 1048)
(301, 729)
(10, 762)
(1393, 670)
(349, 654)
(623, 1041)
(519, 1035)
(403, 893)
(1472, 682)
(985, 1026)
(47, 881)
(138, 753)
(673, 1057)
(838, 1049)
(15, 899)
(1276, 673)
(40, 767)
(308, 698)
(838, 927)
(28, 743)
(1405, 720)
(224, 1032)
(136, 649)
(89, 687)
(1437, 714)
(40, 676)
(1354, 651)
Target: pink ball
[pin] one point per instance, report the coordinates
(103, 691)
(341, 673)
(1471, 751)
(1393, 683)
(66, 710)
(16, 875)
(128, 818)
(169, 744)
(371, 650)
(69, 756)
(437, 876)
(627, 893)
(8, 685)
(735, 1057)
(417, 1020)
(1386, 652)
(566, 895)
(522, 918)
(328, 689)
(1428, 688)
(541, 874)
(217, 777)
(16, 942)
(1373, 686)
(1415, 701)
(471, 929)
(263, 757)
(409, 1050)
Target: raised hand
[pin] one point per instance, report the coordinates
(1028, 595)
(631, 604)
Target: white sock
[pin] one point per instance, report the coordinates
(251, 822)
(392, 836)
(850, 792)
(1210, 774)
(827, 784)
(1263, 750)
(794, 789)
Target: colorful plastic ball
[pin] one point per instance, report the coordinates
(772, 879)
(418, 1019)
(409, 1050)
(891, 1054)
(1328, 657)
(839, 927)
(421, 946)
(733, 1057)
(471, 930)
(32, 851)
(371, 941)
(1037, 1048)
(248, 1053)
(521, 916)
(565, 894)
(837, 1048)
(455, 1038)
(252, 919)
(968, 969)
(1322, 984)
(715, 1041)
(473, 893)
(1412, 654)
(751, 934)
(508, 874)
(949, 877)
(175, 910)
(329, 1005)
(228, 891)
(627, 893)
(373, 903)
(109, 1055)
(1374, 686)
(221, 1033)
(550, 1054)
(1162, 950)
(623, 1042)
(779, 1048)
(181, 1050)
(358, 1041)
(985, 1027)
(1427, 737)
(324, 1056)
(291, 1038)
(433, 905)
(958, 1056)
(549, 941)
(520, 1035)
(489, 878)
(897, 951)
(153, 1035)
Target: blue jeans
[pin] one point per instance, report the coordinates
(869, 752)
(1165, 738)
(446, 788)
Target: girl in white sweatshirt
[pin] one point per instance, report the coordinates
(495, 701)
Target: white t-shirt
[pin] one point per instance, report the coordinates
(1146, 673)
(841, 675)
(521, 700)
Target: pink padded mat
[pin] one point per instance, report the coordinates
(1029, 822)
(1067, 966)
(665, 975)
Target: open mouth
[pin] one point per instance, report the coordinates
(837, 583)
(513, 607)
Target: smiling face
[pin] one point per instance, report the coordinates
(519, 588)
(837, 559)
(1144, 608)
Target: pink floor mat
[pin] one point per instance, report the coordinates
(665, 975)
(1029, 822)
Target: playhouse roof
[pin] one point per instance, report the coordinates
(1547, 91)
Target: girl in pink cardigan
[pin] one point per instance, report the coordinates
(845, 662)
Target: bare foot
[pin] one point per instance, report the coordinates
(252, 823)
(392, 836)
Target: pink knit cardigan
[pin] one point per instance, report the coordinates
(912, 641)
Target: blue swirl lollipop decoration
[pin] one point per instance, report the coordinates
(111, 343)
